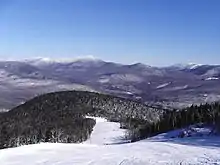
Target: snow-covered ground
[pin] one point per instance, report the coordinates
(190, 151)
(106, 133)
(194, 131)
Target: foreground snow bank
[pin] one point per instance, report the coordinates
(140, 153)
(198, 130)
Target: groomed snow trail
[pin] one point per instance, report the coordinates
(146, 152)
(105, 133)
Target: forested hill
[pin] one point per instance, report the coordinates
(89, 103)
(60, 117)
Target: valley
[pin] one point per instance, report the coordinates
(168, 87)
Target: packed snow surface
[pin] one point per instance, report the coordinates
(190, 151)
(105, 133)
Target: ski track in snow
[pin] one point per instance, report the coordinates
(95, 152)
(163, 85)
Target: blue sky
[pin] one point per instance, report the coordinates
(156, 32)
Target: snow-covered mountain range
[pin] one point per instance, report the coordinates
(173, 86)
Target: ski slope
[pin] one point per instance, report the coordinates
(106, 133)
(155, 151)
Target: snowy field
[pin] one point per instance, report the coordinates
(155, 151)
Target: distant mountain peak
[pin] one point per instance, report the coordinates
(187, 66)
(46, 60)
(140, 65)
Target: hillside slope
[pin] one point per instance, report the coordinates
(61, 117)
(188, 151)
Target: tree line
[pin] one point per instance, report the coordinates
(174, 119)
